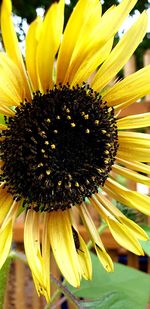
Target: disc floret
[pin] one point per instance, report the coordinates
(60, 148)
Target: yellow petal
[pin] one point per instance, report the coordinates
(6, 201)
(135, 138)
(10, 71)
(121, 53)
(4, 110)
(113, 17)
(11, 82)
(62, 243)
(32, 39)
(101, 33)
(3, 127)
(12, 213)
(135, 146)
(125, 92)
(134, 121)
(135, 165)
(124, 237)
(135, 229)
(136, 153)
(128, 197)
(35, 259)
(104, 258)
(88, 222)
(49, 42)
(100, 250)
(11, 42)
(87, 43)
(135, 141)
(31, 244)
(90, 64)
(75, 27)
(6, 231)
(46, 257)
(84, 259)
(131, 174)
(5, 242)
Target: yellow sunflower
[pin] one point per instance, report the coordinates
(62, 136)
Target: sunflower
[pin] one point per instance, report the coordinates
(63, 141)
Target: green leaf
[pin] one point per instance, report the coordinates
(146, 244)
(2, 120)
(112, 300)
(3, 280)
(130, 287)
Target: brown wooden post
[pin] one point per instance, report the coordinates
(20, 288)
(132, 260)
(36, 303)
(146, 61)
(129, 68)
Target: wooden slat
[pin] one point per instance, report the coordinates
(146, 61)
(136, 108)
(19, 291)
(130, 66)
(10, 300)
(107, 238)
(132, 260)
(148, 267)
(36, 300)
(114, 255)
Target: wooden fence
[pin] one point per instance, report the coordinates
(20, 292)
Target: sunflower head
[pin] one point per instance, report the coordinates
(63, 140)
(59, 148)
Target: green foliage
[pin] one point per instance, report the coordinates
(27, 8)
(111, 300)
(2, 120)
(3, 280)
(146, 244)
(126, 288)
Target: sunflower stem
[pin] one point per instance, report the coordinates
(69, 296)
(18, 255)
(55, 296)
(59, 302)
(100, 231)
(56, 304)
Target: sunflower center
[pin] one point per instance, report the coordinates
(59, 149)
